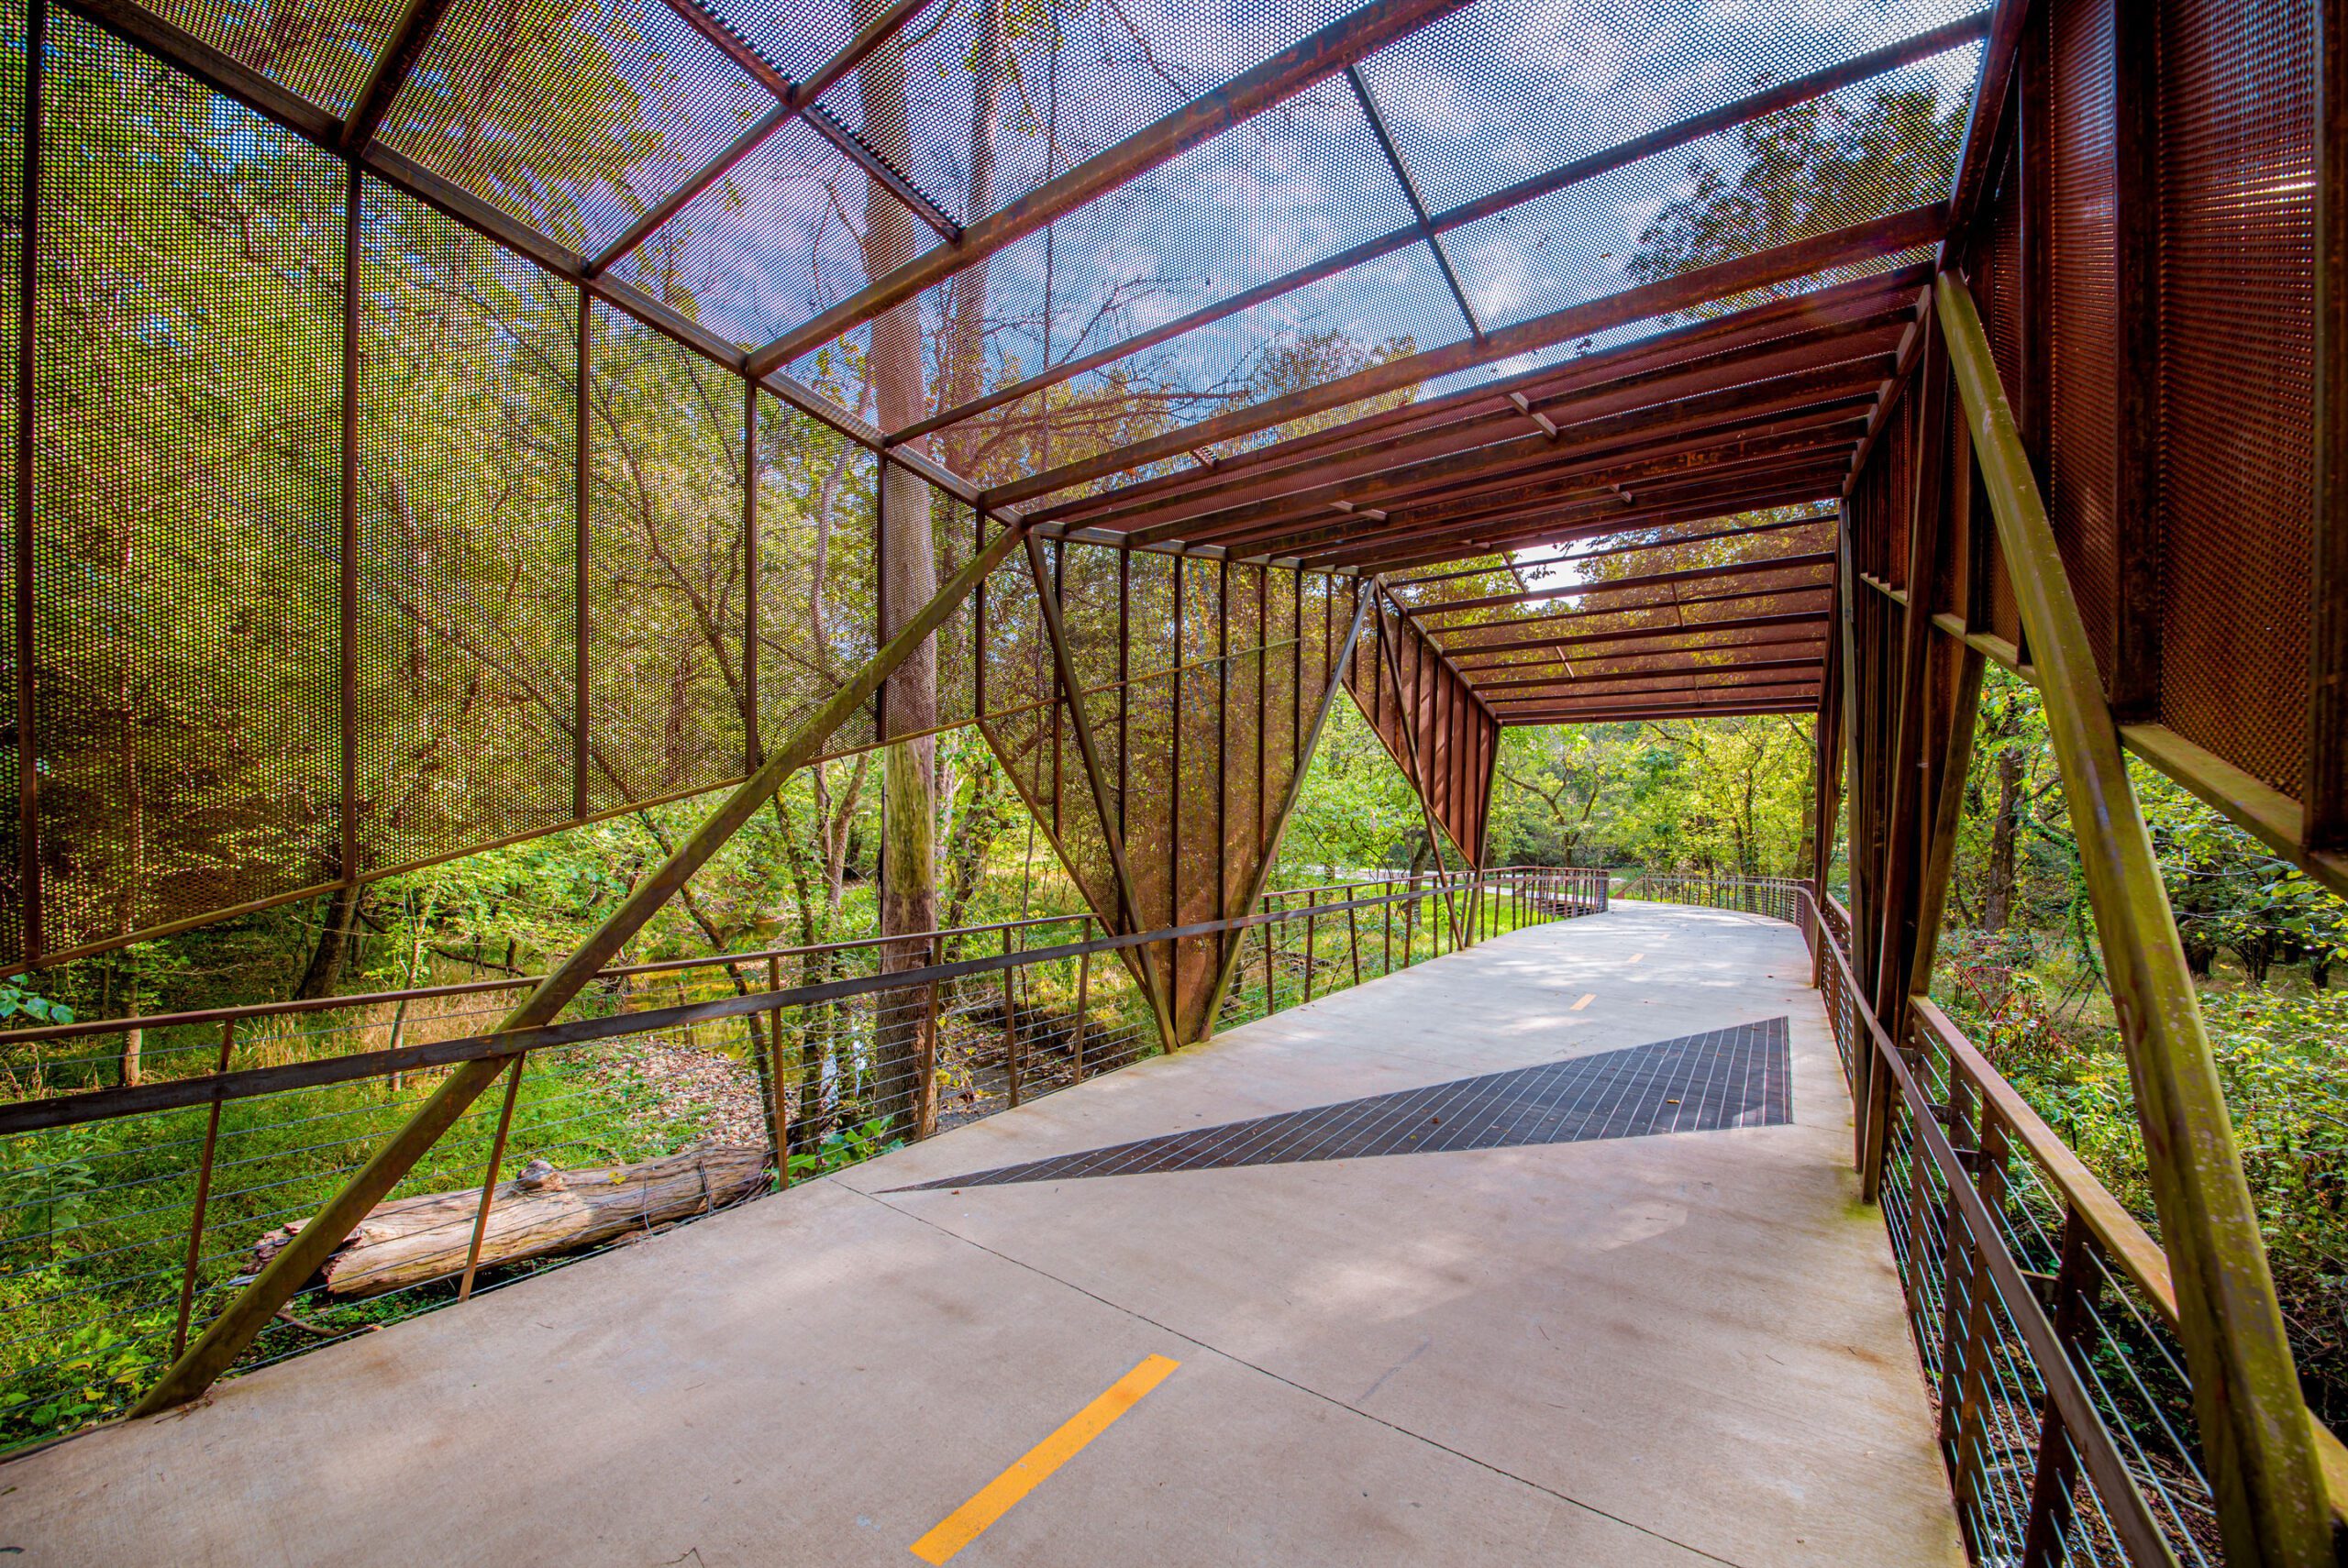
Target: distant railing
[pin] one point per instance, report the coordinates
(2043, 1312)
(143, 1160)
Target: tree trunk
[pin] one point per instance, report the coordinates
(540, 1213)
(963, 372)
(908, 582)
(1997, 903)
(324, 971)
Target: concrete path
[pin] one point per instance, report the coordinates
(1664, 1350)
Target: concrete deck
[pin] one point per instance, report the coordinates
(1664, 1350)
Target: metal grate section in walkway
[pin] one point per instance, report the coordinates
(1737, 1076)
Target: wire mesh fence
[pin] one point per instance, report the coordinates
(150, 1167)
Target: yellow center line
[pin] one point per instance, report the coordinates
(1634, 957)
(1584, 1002)
(993, 1500)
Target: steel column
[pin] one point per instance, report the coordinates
(2254, 1425)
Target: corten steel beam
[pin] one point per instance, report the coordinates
(1620, 585)
(1468, 636)
(1516, 491)
(1821, 520)
(1338, 665)
(1528, 484)
(1753, 489)
(1561, 685)
(1773, 689)
(797, 97)
(1708, 710)
(1467, 639)
(1593, 488)
(1731, 593)
(1561, 537)
(1924, 46)
(1649, 633)
(2255, 1429)
(762, 70)
(1806, 647)
(1542, 538)
(1404, 178)
(1048, 598)
(1567, 526)
(1674, 407)
(1285, 74)
(1927, 507)
(1951, 722)
(1422, 784)
(409, 36)
(2324, 826)
(1927, 517)
(1887, 300)
(1690, 703)
(244, 1318)
(1373, 552)
(1598, 490)
(1370, 455)
(2008, 21)
(1702, 285)
(1724, 676)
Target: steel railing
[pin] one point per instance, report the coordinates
(142, 1159)
(2042, 1313)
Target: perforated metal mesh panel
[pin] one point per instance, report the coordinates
(2083, 356)
(186, 388)
(665, 569)
(467, 557)
(569, 114)
(817, 569)
(2237, 325)
(12, 153)
(320, 51)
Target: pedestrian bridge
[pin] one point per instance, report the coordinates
(1459, 1266)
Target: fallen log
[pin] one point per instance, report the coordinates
(540, 1213)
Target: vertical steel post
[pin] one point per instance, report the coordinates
(2254, 1424)
(778, 1102)
(925, 1101)
(203, 1198)
(752, 742)
(2325, 821)
(583, 512)
(1308, 955)
(489, 1178)
(1083, 985)
(1010, 1025)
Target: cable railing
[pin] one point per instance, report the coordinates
(2044, 1315)
(149, 1165)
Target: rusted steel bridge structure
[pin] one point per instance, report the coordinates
(592, 506)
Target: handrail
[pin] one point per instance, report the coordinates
(828, 1056)
(82, 1027)
(207, 1088)
(2067, 1179)
(2123, 1235)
